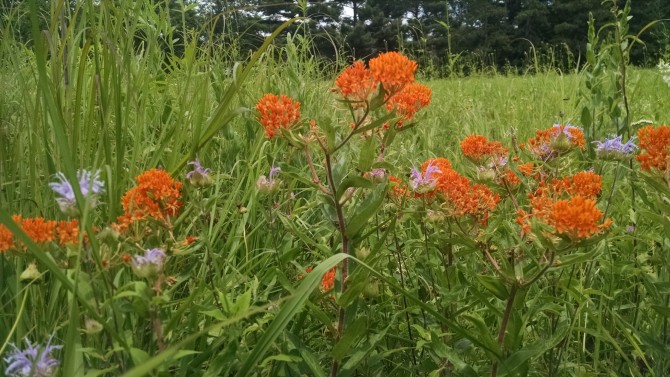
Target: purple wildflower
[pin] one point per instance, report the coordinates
(199, 176)
(274, 171)
(423, 183)
(149, 264)
(378, 175)
(615, 149)
(34, 361)
(269, 185)
(90, 185)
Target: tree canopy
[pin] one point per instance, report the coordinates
(493, 32)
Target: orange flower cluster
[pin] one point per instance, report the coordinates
(461, 196)
(328, 280)
(412, 98)
(577, 218)
(510, 178)
(393, 70)
(655, 142)
(526, 169)
(68, 232)
(276, 112)
(398, 188)
(38, 229)
(586, 183)
(41, 231)
(568, 205)
(6, 239)
(356, 84)
(156, 196)
(479, 149)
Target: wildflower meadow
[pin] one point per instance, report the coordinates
(215, 213)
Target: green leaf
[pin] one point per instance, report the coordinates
(535, 349)
(353, 181)
(352, 334)
(377, 123)
(357, 220)
(288, 311)
(282, 357)
(662, 310)
(144, 364)
(494, 285)
(367, 154)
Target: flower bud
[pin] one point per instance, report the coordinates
(362, 253)
(30, 273)
(92, 326)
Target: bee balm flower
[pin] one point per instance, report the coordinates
(34, 361)
(90, 185)
(615, 149)
(269, 185)
(199, 176)
(424, 183)
(149, 264)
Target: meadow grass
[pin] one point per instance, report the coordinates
(107, 93)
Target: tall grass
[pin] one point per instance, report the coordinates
(102, 87)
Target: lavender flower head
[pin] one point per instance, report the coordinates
(615, 149)
(34, 361)
(149, 264)
(378, 175)
(269, 185)
(199, 176)
(90, 185)
(424, 183)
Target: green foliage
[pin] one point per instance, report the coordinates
(128, 86)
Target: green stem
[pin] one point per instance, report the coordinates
(345, 250)
(504, 323)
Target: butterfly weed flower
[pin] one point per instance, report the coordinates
(655, 142)
(68, 232)
(269, 185)
(615, 149)
(34, 361)
(412, 98)
(586, 183)
(577, 218)
(356, 84)
(328, 280)
(91, 187)
(157, 196)
(199, 176)
(277, 112)
(39, 230)
(480, 150)
(394, 70)
(6, 239)
(150, 264)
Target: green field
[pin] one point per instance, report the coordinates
(441, 281)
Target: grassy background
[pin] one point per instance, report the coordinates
(107, 93)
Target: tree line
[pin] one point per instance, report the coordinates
(438, 33)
